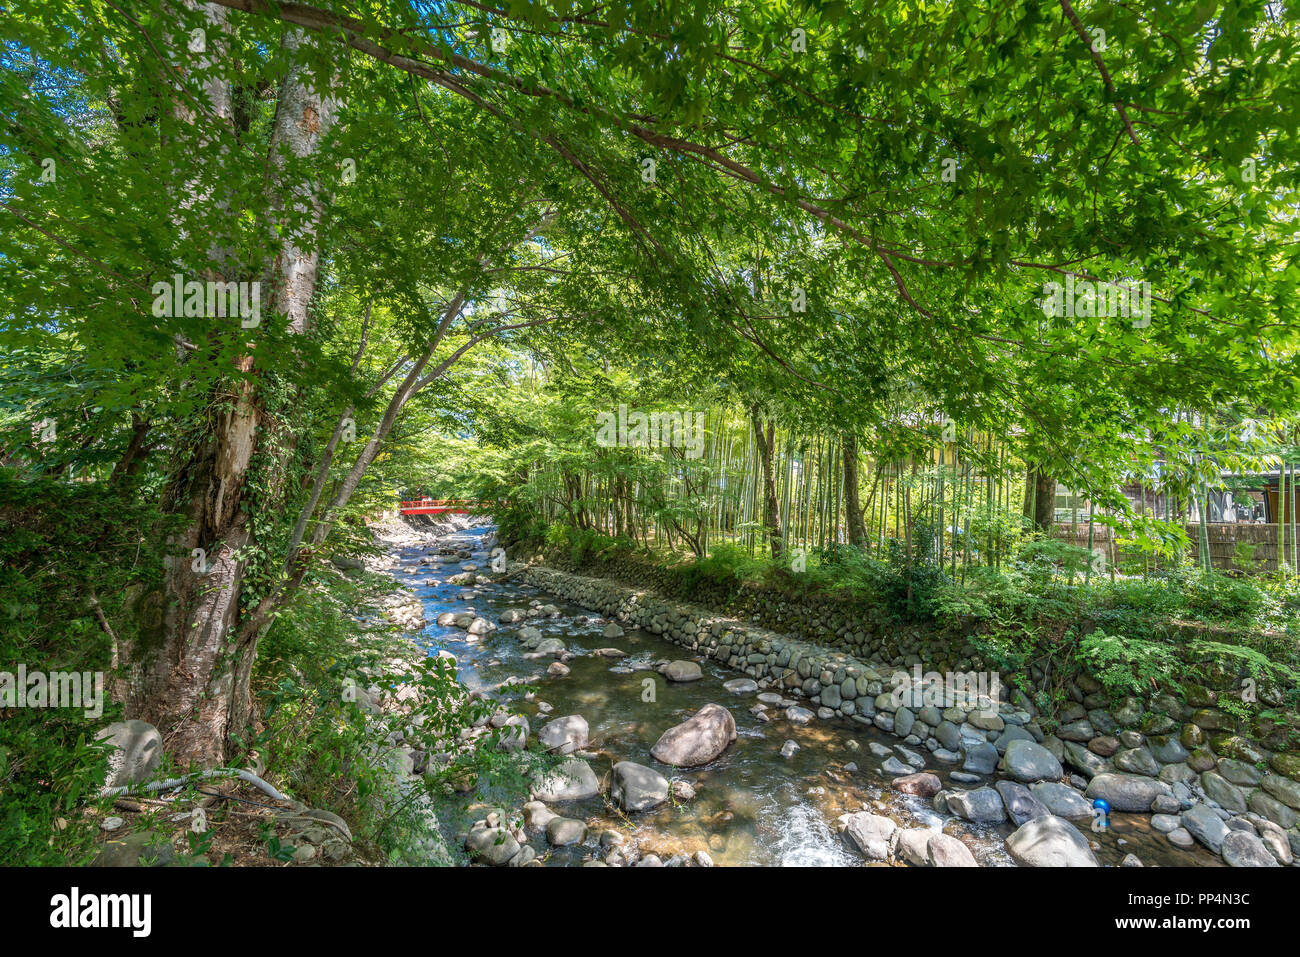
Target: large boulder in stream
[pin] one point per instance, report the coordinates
(698, 740)
(638, 788)
(1021, 804)
(1063, 800)
(923, 847)
(563, 831)
(683, 671)
(1050, 842)
(980, 806)
(547, 648)
(1126, 792)
(923, 784)
(1028, 761)
(564, 735)
(944, 850)
(491, 845)
(572, 780)
(871, 834)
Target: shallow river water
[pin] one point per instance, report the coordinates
(752, 806)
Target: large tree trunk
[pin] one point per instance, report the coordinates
(1040, 498)
(857, 529)
(764, 437)
(190, 672)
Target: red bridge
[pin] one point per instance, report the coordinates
(439, 506)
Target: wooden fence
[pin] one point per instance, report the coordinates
(1259, 553)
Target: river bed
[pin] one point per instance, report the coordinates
(752, 806)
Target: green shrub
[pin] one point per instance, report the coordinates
(328, 752)
(1128, 666)
(62, 546)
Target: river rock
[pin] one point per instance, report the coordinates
(1137, 761)
(1244, 849)
(1078, 731)
(637, 788)
(980, 759)
(1062, 800)
(1050, 842)
(1201, 759)
(1275, 839)
(903, 722)
(1239, 772)
(1028, 761)
(548, 646)
(563, 831)
(1283, 789)
(1080, 758)
(1204, 825)
(944, 850)
(537, 815)
(949, 735)
(891, 765)
(986, 719)
(911, 844)
(1227, 795)
(525, 856)
(1125, 792)
(1104, 745)
(741, 685)
(923, 784)
(698, 740)
(1272, 809)
(683, 671)
(870, 833)
(1020, 803)
(1167, 749)
(564, 735)
(1164, 823)
(572, 780)
(798, 715)
(514, 734)
(612, 631)
(1173, 774)
(1166, 804)
(1012, 732)
(980, 806)
(492, 845)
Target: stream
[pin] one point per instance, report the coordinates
(752, 806)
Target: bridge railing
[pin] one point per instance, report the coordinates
(428, 506)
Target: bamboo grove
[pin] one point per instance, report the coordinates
(918, 488)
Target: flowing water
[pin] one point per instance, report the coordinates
(752, 806)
